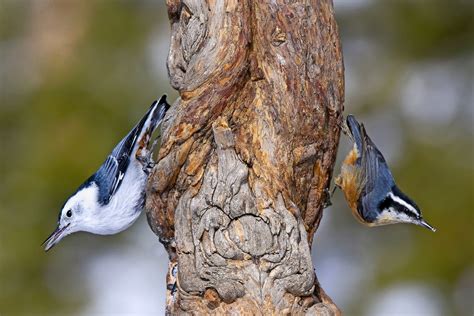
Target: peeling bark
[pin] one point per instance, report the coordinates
(247, 154)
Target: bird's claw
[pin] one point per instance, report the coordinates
(147, 169)
(146, 161)
(327, 198)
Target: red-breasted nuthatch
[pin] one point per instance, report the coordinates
(113, 197)
(369, 187)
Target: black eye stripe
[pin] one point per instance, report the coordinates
(397, 192)
(388, 203)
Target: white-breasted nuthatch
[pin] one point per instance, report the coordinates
(113, 197)
(369, 187)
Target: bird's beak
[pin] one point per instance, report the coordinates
(55, 237)
(425, 224)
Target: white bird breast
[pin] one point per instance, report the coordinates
(125, 205)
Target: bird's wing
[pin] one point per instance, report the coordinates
(110, 175)
(377, 175)
(376, 170)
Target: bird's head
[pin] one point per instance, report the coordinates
(396, 207)
(75, 215)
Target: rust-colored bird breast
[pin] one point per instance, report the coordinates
(350, 182)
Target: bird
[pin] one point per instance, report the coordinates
(369, 187)
(110, 200)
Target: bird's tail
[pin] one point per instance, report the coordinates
(149, 122)
(158, 111)
(356, 131)
(155, 115)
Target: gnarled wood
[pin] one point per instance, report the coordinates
(247, 154)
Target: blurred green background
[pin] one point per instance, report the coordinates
(75, 76)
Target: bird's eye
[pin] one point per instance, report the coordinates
(69, 213)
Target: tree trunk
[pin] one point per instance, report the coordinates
(247, 154)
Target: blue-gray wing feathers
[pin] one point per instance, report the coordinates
(110, 175)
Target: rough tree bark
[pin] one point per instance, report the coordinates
(247, 154)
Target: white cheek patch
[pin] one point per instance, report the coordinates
(402, 217)
(391, 216)
(404, 203)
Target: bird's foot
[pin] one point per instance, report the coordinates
(146, 157)
(146, 160)
(147, 169)
(327, 198)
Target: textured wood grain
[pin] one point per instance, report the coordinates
(247, 154)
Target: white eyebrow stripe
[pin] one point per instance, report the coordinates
(404, 203)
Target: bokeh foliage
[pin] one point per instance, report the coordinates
(61, 112)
